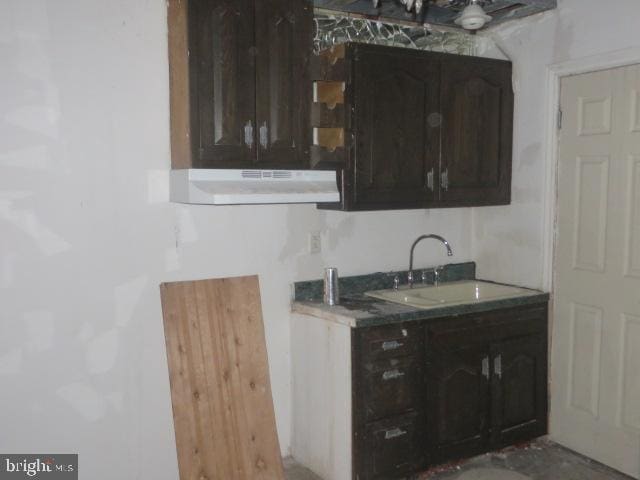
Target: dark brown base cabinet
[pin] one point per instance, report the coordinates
(423, 129)
(428, 392)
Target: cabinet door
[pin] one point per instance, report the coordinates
(396, 129)
(457, 400)
(519, 390)
(477, 106)
(284, 36)
(222, 83)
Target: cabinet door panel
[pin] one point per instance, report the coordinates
(396, 128)
(284, 92)
(222, 82)
(457, 400)
(477, 104)
(519, 390)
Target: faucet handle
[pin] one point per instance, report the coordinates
(423, 277)
(410, 278)
(396, 282)
(436, 274)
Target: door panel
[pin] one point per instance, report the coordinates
(595, 401)
(457, 400)
(592, 183)
(477, 107)
(519, 390)
(585, 339)
(397, 127)
(632, 253)
(630, 359)
(222, 82)
(284, 41)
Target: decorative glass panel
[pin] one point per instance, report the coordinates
(335, 29)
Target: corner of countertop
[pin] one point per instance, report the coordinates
(335, 313)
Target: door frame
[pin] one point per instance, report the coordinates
(555, 73)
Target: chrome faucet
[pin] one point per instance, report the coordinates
(413, 247)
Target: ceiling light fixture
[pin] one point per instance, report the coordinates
(473, 17)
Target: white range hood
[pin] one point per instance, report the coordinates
(242, 187)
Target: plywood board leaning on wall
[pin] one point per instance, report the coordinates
(219, 373)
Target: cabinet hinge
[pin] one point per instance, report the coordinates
(559, 119)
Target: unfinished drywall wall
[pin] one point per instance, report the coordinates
(87, 234)
(508, 241)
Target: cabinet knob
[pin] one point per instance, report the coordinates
(264, 135)
(434, 119)
(485, 367)
(248, 134)
(444, 180)
(497, 366)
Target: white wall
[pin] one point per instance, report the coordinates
(87, 235)
(508, 241)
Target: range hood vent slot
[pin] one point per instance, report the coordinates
(259, 174)
(252, 174)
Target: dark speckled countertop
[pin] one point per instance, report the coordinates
(356, 310)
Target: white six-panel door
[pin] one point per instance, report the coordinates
(595, 361)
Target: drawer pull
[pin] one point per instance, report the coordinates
(394, 345)
(392, 374)
(395, 433)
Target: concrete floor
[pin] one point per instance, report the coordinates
(541, 460)
(293, 471)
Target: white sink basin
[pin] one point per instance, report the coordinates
(453, 293)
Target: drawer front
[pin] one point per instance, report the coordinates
(394, 448)
(391, 387)
(390, 341)
(487, 327)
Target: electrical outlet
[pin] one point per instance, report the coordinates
(315, 243)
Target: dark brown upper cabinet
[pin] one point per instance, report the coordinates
(284, 39)
(240, 84)
(420, 129)
(396, 146)
(476, 131)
